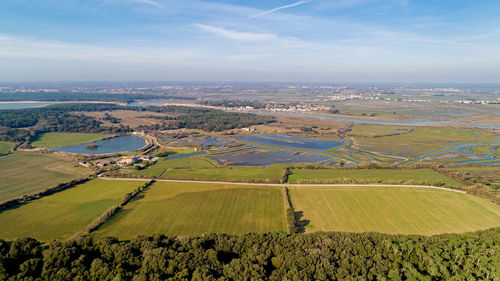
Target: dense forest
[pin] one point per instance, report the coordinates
(44, 96)
(212, 121)
(273, 256)
(69, 118)
(20, 125)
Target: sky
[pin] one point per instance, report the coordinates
(272, 40)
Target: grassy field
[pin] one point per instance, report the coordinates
(26, 173)
(268, 174)
(5, 147)
(65, 139)
(193, 209)
(393, 176)
(62, 214)
(392, 210)
(163, 164)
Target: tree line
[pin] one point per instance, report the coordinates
(69, 118)
(111, 211)
(64, 96)
(271, 256)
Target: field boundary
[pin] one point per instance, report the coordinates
(287, 184)
(111, 211)
(289, 211)
(49, 191)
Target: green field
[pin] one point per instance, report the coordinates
(49, 140)
(62, 214)
(27, 173)
(268, 174)
(402, 210)
(389, 176)
(163, 164)
(5, 147)
(193, 209)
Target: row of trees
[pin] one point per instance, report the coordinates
(50, 97)
(49, 191)
(273, 256)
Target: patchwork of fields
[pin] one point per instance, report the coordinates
(187, 208)
(195, 208)
(62, 214)
(402, 210)
(25, 173)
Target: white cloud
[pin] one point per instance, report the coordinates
(235, 35)
(18, 47)
(267, 12)
(150, 2)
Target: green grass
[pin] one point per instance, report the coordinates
(392, 210)
(24, 173)
(5, 147)
(268, 174)
(49, 140)
(164, 163)
(194, 209)
(62, 214)
(393, 176)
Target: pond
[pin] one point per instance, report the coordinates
(264, 158)
(22, 105)
(146, 103)
(279, 140)
(113, 145)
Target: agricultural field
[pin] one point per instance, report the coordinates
(401, 210)
(63, 214)
(267, 174)
(388, 176)
(50, 140)
(25, 173)
(5, 147)
(196, 208)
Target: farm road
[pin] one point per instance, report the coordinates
(279, 184)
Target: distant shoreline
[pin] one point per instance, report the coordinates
(14, 102)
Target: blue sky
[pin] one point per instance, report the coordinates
(196, 40)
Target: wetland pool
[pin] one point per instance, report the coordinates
(113, 145)
(264, 158)
(280, 140)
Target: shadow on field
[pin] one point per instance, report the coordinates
(299, 223)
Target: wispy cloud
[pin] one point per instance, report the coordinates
(235, 35)
(150, 2)
(267, 12)
(18, 47)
